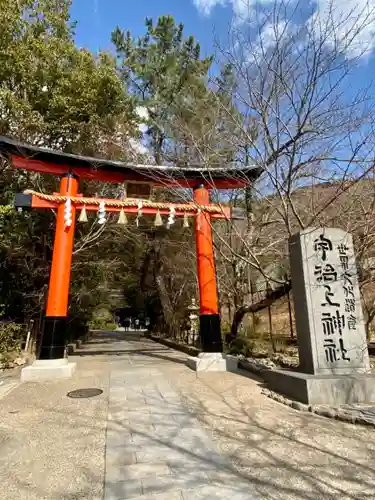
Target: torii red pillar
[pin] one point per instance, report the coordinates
(210, 331)
(53, 339)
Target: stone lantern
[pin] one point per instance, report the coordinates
(193, 333)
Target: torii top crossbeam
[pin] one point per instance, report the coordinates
(49, 161)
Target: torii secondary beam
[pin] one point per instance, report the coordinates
(32, 199)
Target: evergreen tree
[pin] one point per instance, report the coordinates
(164, 70)
(52, 94)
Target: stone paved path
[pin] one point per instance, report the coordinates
(159, 432)
(155, 447)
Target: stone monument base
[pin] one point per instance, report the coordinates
(212, 362)
(48, 369)
(332, 390)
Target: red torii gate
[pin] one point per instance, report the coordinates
(71, 168)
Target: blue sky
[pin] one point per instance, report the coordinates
(97, 18)
(205, 19)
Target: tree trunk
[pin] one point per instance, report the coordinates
(165, 301)
(272, 296)
(161, 287)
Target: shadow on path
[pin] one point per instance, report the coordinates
(110, 343)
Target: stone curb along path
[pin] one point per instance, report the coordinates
(353, 414)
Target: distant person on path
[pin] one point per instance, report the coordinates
(136, 323)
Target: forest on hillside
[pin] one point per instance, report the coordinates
(274, 96)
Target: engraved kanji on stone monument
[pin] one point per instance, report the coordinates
(330, 328)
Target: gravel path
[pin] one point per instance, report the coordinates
(51, 446)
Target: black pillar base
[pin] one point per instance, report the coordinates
(53, 337)
(210, 333)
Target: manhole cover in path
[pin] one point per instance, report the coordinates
(84, 393)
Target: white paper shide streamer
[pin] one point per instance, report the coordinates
(139, 214)
(101, 213)
(68, 212)
(171, 217)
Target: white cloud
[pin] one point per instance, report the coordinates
(206, 6)
(241, 8)
(347, 24)
(137, 146)
(143, 115)
(143, 128)
(267, 39)
(142, 112)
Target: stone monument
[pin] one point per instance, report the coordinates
(334, 361)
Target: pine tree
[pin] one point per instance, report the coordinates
(163, 69)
